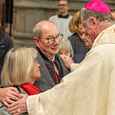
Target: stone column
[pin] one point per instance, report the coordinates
(26, 15)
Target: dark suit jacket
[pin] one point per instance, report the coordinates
(80, 56)
(77, 43)
(6, 44)
(46, 81)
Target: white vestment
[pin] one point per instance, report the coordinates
(89, 89)
(62, 24)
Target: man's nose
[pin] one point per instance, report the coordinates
(56, 41)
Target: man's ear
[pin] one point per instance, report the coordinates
(36, 40)
(93, 22)
(68, 7)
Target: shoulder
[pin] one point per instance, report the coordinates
(59, 59)
(5, 39)
(84, 51)
(80, 56)
(57, 56)
(53, 17)
(21, 90)
(70, 16)
(73, 36)
(3, 109)
(64, 69)
(5, 36)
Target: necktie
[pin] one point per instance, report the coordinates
(57, 77)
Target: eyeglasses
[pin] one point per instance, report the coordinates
(51, 40)
(62, 5)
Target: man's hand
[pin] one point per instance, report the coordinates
(20, 104)
(9, 94)
(67, 60)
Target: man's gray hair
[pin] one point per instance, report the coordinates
(37, 31)
(86, 14)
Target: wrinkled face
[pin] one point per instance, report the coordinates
(64, 51)
(87, 40)
(49, 50)
(89, 30)
(63, 7)
(36, 72)
(80, 29)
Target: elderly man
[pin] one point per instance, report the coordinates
(62, 20)
(90, 88)
(47, 39)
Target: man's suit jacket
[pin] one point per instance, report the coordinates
(45, 81)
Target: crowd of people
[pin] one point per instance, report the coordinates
(66, 74)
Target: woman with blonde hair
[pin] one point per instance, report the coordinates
(77, 29)
(20, 70)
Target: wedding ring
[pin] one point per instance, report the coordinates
(6, 99)
(19, 110)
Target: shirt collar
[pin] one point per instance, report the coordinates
(60, 16)
(52, 59)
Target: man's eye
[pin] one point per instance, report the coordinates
(50, 38)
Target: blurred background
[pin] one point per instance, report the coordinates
(18, 17)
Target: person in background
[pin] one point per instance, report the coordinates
(62, 20)
(47, 39)
(66, 48)
(77, 29)
(6, 43)
(20, 70)
(81, 55)
(113, 12)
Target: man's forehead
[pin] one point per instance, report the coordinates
(63, 2)
(50, 32)
(50, 27)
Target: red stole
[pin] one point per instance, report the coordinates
(30, 89)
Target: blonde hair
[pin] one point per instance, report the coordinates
(73, 24)
(18, 66)
(66, 42)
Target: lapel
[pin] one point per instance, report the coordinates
(63, 70)
(44, 71)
